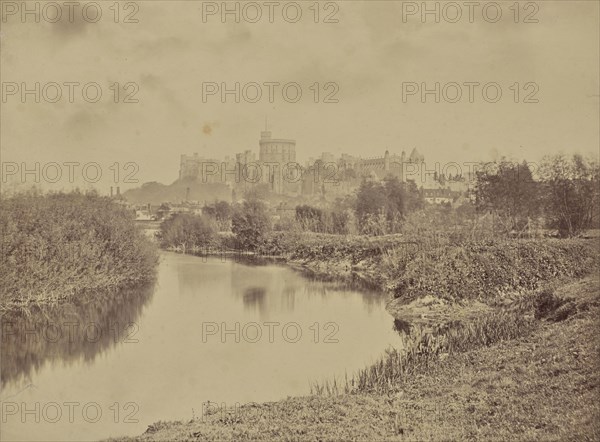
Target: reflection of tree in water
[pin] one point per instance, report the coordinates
(69, 332)
(254, 260)
(255, 296)
(316, 285)
(281, 288)
(324, 284)
(270, 285)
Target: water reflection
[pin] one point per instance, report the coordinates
(174, 367)
(255, 297)
(267, 285)
(74, 332)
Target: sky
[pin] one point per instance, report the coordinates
(373, 53)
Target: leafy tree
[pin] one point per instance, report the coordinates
(413, 199)
(310, 218)
(371, 201)
(508, 190)
(250, 224)
(187, 230)
(221, 211)
(56, 245)
(571, 193)
(395, 204)
(380, 208)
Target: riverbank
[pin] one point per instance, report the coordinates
(56, 247)
(440, 279)
(542, 385)
(501, 337)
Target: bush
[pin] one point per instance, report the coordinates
(410, 267)
(250, 224)
(58, 245)
(488, 270)
(188, 231)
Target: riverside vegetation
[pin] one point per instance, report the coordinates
(537, 381)
(61, 246)
(503, 336)
(523, 366)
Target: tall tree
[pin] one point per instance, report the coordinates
(395, 204)
(508, 189)
(572, 193)
(251, 223)
(371, 202)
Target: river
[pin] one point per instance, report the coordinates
(209, 329)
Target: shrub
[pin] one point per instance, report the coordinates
(57, 245)
(489, 270)
(188, 231)
(250, 224)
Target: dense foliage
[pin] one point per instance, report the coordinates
(250, 224)
(380, 207)
(221, 212)
(565, 193)
(187, 231)
(318, 220)
(57, 245)
(486, 270)
(448, 265)
(508, 188)
(572, 193)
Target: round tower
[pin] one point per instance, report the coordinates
(274, 150)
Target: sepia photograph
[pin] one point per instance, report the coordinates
(299, 221)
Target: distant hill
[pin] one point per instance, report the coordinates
(157, 193)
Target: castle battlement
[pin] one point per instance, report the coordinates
(239, 172)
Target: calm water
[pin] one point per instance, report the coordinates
(106, 369)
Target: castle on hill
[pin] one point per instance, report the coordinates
(276, 167)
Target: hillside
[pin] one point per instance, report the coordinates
(157, 193)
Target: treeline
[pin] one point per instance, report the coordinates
(376, 209)
(506, 200)
(58, 245)
(250, 222)
(564, 196)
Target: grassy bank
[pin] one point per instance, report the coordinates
(541, 382)
(501, 345)
(488, 270)
(57, 246)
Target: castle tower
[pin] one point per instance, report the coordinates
(416, 157)
(274, 150)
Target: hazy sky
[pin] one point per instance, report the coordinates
(369, 54)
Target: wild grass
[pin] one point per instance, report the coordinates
(421, 348)
(486, 270)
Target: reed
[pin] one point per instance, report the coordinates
(423, 347)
